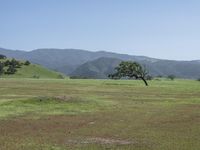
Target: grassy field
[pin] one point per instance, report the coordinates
(43, 114)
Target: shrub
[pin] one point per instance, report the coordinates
(7, 63)
(148, 77)
(60, 76)
(36, 76)
(159, 76)
(198, 79)
(78, 77)
(2, 56)
(27, 63)
(11, 70)
(157, 79)
(1, 68)
(171, 77)
(15, 63)
(112, 76)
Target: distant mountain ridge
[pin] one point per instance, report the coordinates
(64, 60)
(99, 68)
(94, 64)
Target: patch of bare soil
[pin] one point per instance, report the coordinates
(60, 98)
(53, 128)
(63, 98)
(99, 140)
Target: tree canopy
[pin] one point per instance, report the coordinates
(171, 77)
(2, 56)
(10, 66)
(1, 68)
(130, 69)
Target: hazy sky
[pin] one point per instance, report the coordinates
(157, 28)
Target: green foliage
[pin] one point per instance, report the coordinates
(130, 69)
(7, 63)
(2, 56)
(78, 77)
(27, 63)
(36, 76)
(11, 70)
(149, 77)
(114, 76)
(171, 77)
(1, 68)
(198, 79)
(11, 66)
(159, 76)
(60, 76)
(15, 63)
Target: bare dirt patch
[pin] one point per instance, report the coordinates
(60, 98)
(99, 140)
(63, 98)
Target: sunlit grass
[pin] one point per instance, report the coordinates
(163, 116)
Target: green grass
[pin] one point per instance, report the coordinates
(40, 106)
(99, 114)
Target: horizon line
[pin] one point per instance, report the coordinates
(97, 51)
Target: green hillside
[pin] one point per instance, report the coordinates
(32, 71)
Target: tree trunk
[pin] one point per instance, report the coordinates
(144, 81)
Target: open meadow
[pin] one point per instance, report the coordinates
(66, 114)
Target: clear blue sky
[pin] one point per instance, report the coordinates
(157, 28)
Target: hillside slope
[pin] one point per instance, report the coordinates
(33, 71)
(99, 68)
(181, 69)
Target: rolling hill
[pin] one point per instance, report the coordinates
(33, 71)
(95, 65)
(99, 68)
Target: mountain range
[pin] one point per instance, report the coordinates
(77, 62)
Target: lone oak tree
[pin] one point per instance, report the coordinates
(130, 69)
